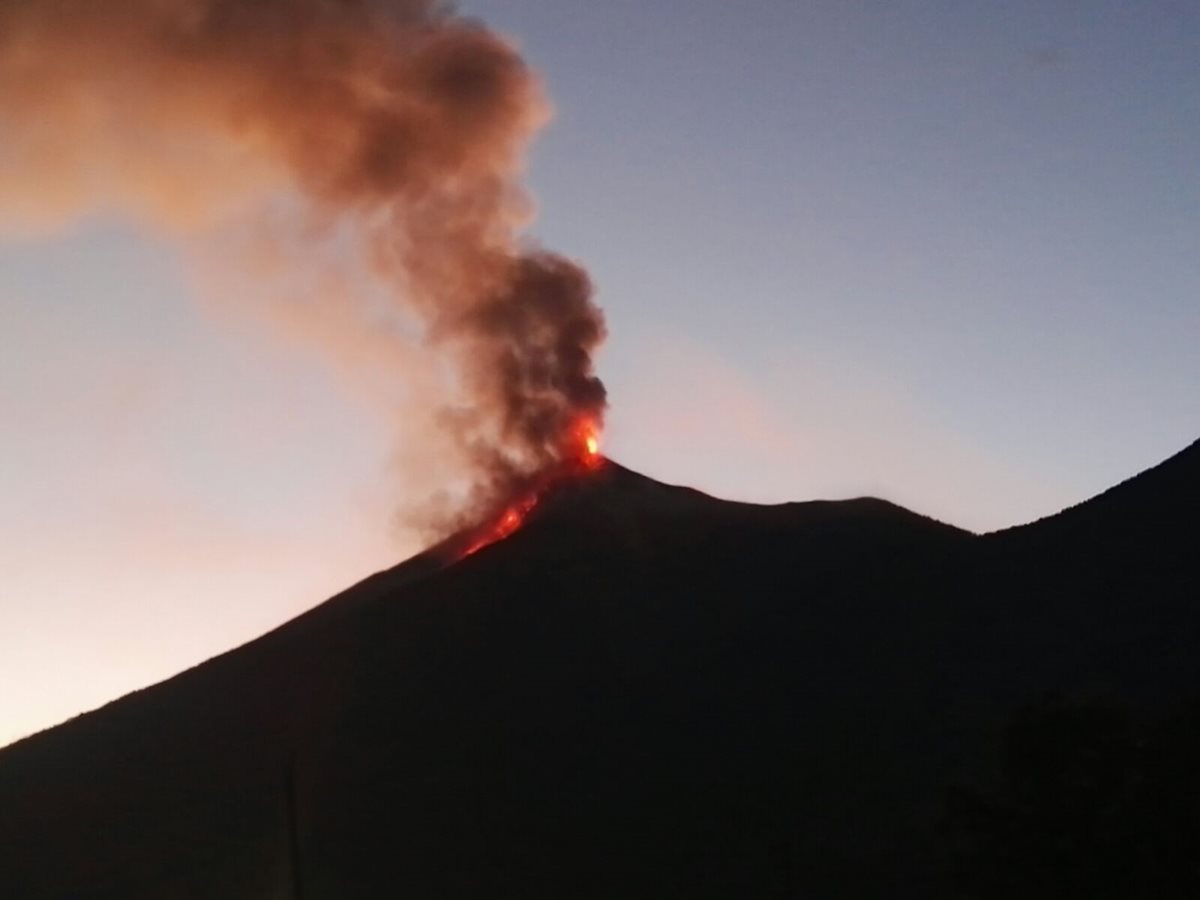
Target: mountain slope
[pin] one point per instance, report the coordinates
(644, 692)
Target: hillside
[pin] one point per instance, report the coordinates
(644, 692)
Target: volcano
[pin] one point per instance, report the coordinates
(642, 692)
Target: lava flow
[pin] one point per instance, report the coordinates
(584, 456)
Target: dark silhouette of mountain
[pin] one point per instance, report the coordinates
(643, 692)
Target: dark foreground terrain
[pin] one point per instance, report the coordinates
(649, 693)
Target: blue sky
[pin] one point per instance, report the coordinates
(946, 253)
(989, 207)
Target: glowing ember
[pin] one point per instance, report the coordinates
(585, 444)
(589, 443)
(510, 520)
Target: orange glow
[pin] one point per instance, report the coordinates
(584, 451)
(510, 520)
(589, 443)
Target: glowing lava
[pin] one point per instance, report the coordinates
(510, 520)
(585, 441)
(589, 439)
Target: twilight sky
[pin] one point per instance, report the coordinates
(945, 253)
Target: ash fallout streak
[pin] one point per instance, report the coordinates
(396, 128)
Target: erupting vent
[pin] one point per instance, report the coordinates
(583, 459)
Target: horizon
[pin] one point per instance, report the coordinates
(459, 538)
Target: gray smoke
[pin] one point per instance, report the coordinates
(397, 125)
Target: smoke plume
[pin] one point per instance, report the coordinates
(391, 131)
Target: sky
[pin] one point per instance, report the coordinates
(943, 253)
